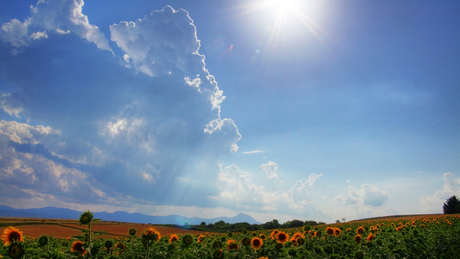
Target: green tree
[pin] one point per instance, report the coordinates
(452, 205)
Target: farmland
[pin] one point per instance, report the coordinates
(417, 236)
(62, 228)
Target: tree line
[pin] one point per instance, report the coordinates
(222, 226)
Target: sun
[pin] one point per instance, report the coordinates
(284, 17)
(283, 5)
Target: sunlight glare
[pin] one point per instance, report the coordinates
(283, 5)
(287, 18)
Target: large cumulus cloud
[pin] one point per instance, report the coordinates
(238, 191)
(101, 127)
(368, 195)
(433, 203)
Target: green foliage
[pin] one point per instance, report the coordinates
(452, 205)
(427, 238)
(292, 224)
(274, 224)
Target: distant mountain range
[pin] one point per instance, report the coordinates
(61, 213)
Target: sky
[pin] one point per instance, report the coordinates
(309, 110)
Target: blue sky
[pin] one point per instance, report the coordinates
(317, 110)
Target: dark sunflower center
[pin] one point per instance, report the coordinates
(14, 251)
(14, 236)
(43, 241)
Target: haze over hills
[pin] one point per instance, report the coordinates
(62, 213)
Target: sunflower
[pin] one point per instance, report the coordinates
(274, 233)
(201, 238)
(246, 241)
(132, 231)
(173, 238)
(358, 238)
(398, 228)
(86, 218)
(77, 246)
(370, 237)
(262, 236)
(11, 234)
(151, 234)
(187, 240)
(16, 250)
(217, 245)
(263, 257)
(108, 244)
(337, 232)
(120, 246)
(298, 234)
(329, 231)
(300, 241)
(256, 243)
(218, 254)
(278, 246)
(282, 237)
(42, 240)
(360, 231)
(233, 246)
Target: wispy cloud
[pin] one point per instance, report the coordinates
(254, 152)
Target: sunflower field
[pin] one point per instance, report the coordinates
(436, 237)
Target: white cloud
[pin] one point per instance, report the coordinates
(67, 14)
(254, 152)
(270, 169)
(238, 192)
(9, 107)
(160, 42)
(53, 15)
(130, 134)
(434, 203)
(223, 134)
(15, 33)
(38, 35)
(367, 195)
